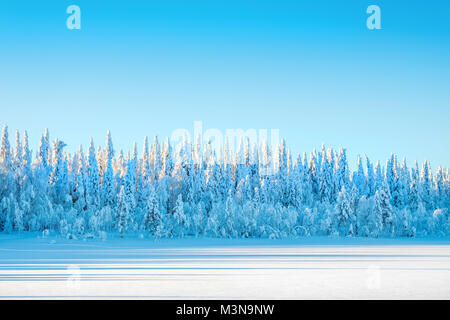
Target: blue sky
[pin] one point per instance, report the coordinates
(308, 68)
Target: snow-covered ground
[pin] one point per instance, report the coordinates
(311, 268)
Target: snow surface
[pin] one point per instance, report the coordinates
(308, 268)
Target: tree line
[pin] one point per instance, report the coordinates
(193, 191)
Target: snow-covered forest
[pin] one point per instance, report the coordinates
(192, 191)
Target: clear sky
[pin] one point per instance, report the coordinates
(308, 68)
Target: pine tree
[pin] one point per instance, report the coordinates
(313, 175)
(44, 151)
(26, 194)
(166, 160)
(342, 172)
(18, 157)
(383, 204)
(145, 168)
(440, 194)
(426, 186)
(344, 214)
(266, 168)
(109, 149)
(5, 151)
(130, 193)
(108, 185)
(360, 179)
(152, 217)
(156, 159)
(229, 225)
(93, 180)
(179, 215)
(326, 183)
(26, 154)
(378, 176)
(58, 177)
(123, 213)
(79, 180)
(375, 219)
(197, 153)
(371, 186)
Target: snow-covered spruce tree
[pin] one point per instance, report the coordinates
(18, 158)
(359, 179)
(414, 193)
(372, 211)
(93, 189)
(5, 151)
(181, 221)
(403, 224)
(145, 163)
(371, 186)
(44, 154)
(314, 175)
(426, 186)
(122, 212)
(344, 215)
(306, 187)
(59, 188)
(383, 209)
(155, 159)
(41, 206)
(379, 176)
(78, 182)
(440, 189)
(405, 182)
(24, 184)
(6, 181)
(152, 221)
(326, 186)
(229, 217)
(342, 171)
(129, 184)
(354, 202)
(363, 216)
(13, 215)
(108, 185)
(282, 177)
(296, 186)
(166, 160)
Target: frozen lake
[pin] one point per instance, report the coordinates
(313, 268)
